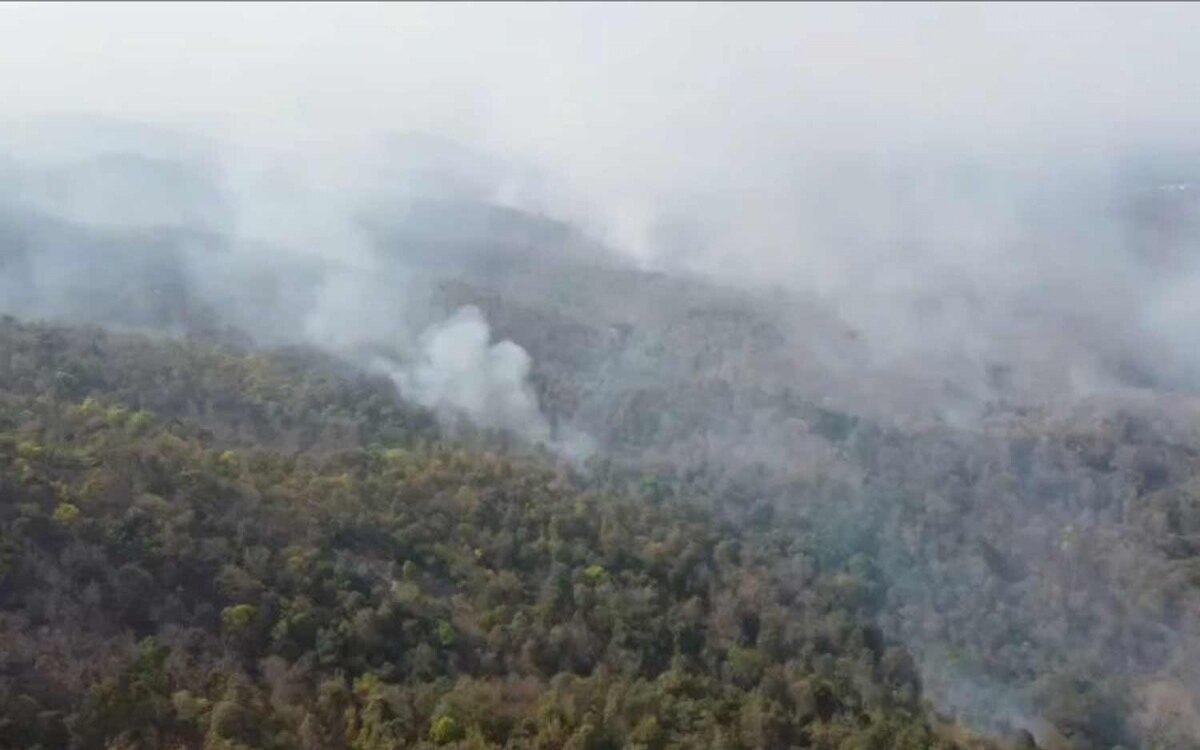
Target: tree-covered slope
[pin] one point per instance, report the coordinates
(1035, 553)
(206, 548)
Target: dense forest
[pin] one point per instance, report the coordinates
(210, 548)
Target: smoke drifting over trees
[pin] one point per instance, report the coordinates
(919, 281)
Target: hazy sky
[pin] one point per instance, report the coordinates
(586, 84)
(311, 66)
(659, 123)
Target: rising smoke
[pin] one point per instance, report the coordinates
(995, 203)
(459, 369)
(276, 247)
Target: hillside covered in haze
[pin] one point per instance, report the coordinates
(470, 478)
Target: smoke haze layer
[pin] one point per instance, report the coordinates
(925, 169)
(821, 241)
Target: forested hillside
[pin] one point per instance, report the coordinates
(599, 376)
(203, 547)
(1004, 513)
(1030, 561)
(1039, 556)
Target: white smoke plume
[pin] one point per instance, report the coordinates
(457, 369)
